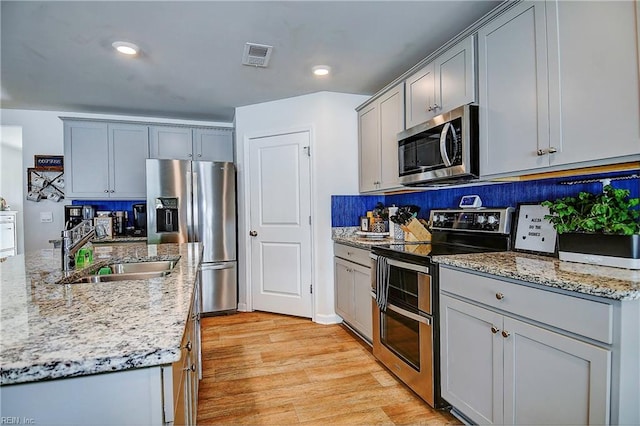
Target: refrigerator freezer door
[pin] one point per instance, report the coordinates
(219, 287)
(214, 210)
(168, 201)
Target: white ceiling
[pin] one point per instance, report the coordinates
(58, 55)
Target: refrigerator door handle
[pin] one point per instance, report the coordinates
(189, 195)
(195, 214)
(225, 265)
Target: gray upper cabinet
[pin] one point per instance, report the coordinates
(172, 143)
(378, 125)
(513, 90)
(186, 143)
(213, 144)
(593, 80)
(105, 160)
(443, 84)
(553, 92)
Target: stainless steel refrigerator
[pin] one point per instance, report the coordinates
(195, 201)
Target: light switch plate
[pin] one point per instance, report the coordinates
(46, 217)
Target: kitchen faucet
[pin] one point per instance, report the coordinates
(73, 240)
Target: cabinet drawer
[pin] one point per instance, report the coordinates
(352, 254)
(584, 317)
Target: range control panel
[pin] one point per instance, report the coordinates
(493, 220)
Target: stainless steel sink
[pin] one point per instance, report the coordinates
(121, 277)
(130, 271)
(137, 267)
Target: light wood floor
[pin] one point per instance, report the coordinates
(268, 369)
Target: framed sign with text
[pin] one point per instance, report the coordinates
(534, 233)
(49, 162)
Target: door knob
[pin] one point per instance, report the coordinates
(253, 233)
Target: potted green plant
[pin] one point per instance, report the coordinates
(601, 229)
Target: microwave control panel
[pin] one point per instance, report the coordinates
(497, 221)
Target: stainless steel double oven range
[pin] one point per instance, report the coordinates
(406, 333)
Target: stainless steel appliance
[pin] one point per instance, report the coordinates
(406, 333)
(72, 216)
(443, 149)
(140, 219)
(195, 201)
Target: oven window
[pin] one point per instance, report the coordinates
(402, 336)
(403, 288)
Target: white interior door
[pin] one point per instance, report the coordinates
(280, 209)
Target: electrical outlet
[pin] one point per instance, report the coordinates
(46, 217)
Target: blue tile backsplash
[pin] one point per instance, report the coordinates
(111, 205)
(347, 209)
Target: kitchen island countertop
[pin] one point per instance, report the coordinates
(601, 281)
(50, 330)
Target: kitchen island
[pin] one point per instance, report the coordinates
(67, 336)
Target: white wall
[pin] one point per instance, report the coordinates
(42, 134)
(334, 170)
(11, 175)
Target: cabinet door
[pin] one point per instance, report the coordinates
(129, 148)
(391, 110)
(173, 143)
(369, 148)
(86, 156)
(513, 91)
(551, 379)
(362, 311)
(594, 82)
(455, 76)
(344, 288)
(213, 145)
(420, 96)
(471, 360)
(7, 239)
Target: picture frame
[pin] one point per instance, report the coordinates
(533, 233)
(45, 185)
(49, 162)
(364, 223)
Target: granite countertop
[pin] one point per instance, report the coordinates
(50, 330)
(602, 281)
(347, 235)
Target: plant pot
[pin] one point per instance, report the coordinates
(621, 251)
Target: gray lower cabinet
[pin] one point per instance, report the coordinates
(191, 143)
(516, 354)
(105, 160)
(353, 300)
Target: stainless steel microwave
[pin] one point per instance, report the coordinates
(442, 150)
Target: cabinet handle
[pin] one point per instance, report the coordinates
(106, 191)
(112, 191)
(430, 108)
(552, 150)
(189, 155)
(505, 333)
(193, 367)
(494, 329)
(436, 106)
(199, 155)
(189, 346)
(499, 296)
(541, 152)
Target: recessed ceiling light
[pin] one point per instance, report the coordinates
(321, 70)
(126, 48)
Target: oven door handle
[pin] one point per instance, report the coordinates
(404, 265)
(405, 313)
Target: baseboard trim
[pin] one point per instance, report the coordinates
(327, 319)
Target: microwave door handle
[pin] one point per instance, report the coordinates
(443, 143)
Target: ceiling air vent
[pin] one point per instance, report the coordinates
(256, 55)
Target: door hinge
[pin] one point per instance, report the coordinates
(308, 149)
(311, 288)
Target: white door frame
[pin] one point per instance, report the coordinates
(244, 226)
